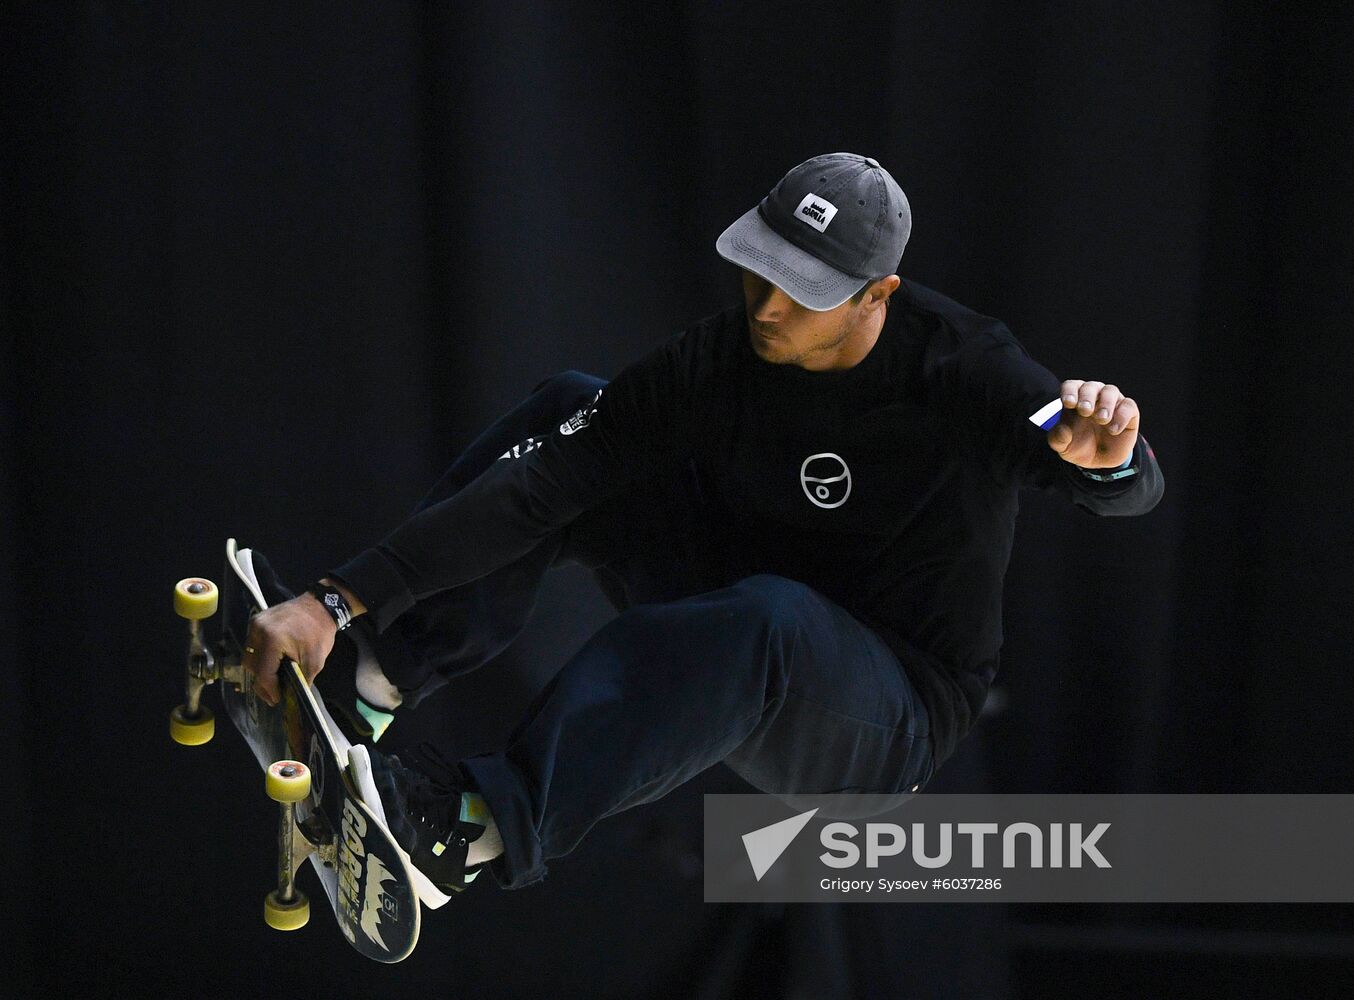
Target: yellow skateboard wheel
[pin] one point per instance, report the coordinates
(192, 732)
(195, 598)
(281, 916)
(288, 781)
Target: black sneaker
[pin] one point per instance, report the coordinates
(361, 722)
(427, 811)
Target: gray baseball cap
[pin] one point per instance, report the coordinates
(831, 225)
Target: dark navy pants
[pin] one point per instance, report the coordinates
(760, 672)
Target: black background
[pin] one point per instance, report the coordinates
(269, 267)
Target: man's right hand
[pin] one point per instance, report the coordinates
(300, 629)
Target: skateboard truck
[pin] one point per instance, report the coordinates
(286, 907)
(192, 723)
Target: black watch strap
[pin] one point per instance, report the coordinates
(332, 601)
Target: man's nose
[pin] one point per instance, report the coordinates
(772, 303)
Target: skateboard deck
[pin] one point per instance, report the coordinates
(364, 873)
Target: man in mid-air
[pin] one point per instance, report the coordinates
(802, 508)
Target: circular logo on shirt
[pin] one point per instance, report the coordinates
(826, 479)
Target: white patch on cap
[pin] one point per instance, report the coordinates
(817, 212)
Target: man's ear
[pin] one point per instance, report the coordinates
(885, 287)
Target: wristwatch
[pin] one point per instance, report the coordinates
(332, 601)
(1110, 475)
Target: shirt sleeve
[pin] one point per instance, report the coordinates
(1008, 404)
(636, 427)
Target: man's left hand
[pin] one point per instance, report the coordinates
(1100, 430)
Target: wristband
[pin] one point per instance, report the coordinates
(332, 601)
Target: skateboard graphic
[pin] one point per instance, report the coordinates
(310, 769)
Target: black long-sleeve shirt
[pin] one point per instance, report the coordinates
(890, 487)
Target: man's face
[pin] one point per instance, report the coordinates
(784, 332)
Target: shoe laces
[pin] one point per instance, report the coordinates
(435, 786)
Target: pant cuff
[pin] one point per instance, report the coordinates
(521, 863)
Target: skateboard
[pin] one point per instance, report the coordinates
(310, 769)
